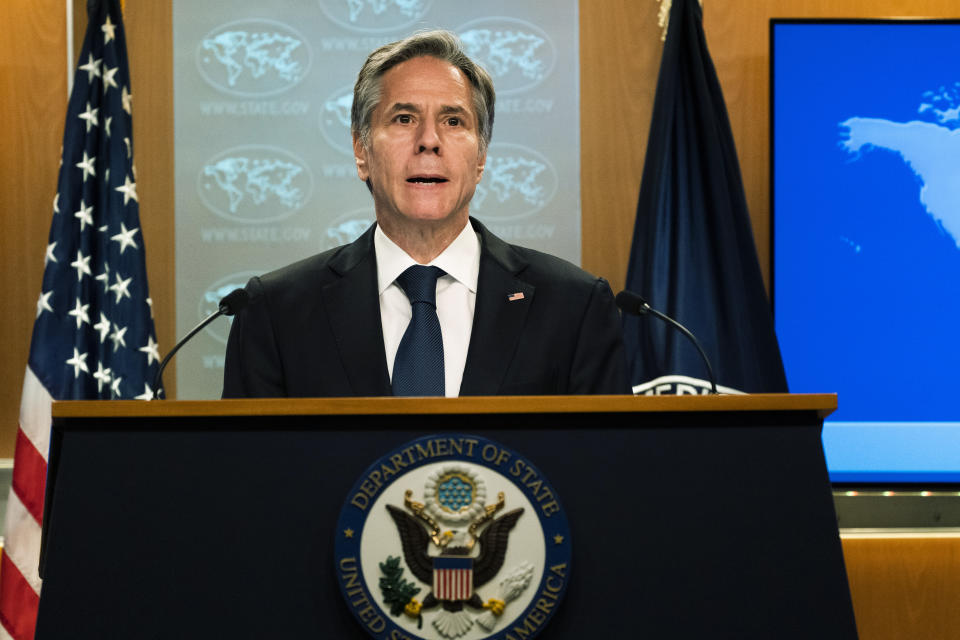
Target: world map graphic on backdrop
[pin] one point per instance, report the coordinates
(254, 57)
(930, 149)
(374, 16)
(235, 184)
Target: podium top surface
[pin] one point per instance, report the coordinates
(824, 404)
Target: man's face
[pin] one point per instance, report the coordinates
(423, 159)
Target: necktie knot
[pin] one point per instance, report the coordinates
(420, 283)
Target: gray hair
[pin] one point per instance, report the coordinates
(443, 45)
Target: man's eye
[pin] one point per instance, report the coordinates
(453, 122)
(404, 118)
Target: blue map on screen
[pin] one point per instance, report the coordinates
(866, 215)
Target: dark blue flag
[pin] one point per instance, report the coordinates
(693, 256)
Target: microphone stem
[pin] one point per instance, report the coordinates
(693, 339)
(158, 379)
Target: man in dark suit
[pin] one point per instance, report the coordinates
(427, 301)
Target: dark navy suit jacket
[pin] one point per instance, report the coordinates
(312, 329)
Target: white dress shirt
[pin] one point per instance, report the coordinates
(456, 299)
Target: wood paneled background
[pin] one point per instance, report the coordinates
(906, 586)
(620, 55)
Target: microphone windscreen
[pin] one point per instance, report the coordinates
(630, 302)
(234, 302)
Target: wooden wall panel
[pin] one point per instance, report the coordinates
(33, 98)
(149, 25)
(619, 60)
(904, 587)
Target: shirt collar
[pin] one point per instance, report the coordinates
(460, 260)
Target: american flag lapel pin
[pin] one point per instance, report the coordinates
(513, 297)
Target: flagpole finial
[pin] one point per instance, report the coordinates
(663, 17)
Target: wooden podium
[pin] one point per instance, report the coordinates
(690, 517)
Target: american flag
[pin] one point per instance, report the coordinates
(452, 577)
(93, 337)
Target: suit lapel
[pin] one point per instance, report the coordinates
(353, 307)
(503, 300)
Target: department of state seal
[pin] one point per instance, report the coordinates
(452, 536)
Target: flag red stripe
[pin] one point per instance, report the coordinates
(29, 475)
(18, 602)
(453, 584)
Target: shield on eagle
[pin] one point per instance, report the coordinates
(452, 578)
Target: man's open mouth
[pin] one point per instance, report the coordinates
(426, 180)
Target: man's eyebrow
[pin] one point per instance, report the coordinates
(444, 109)
(403, 106)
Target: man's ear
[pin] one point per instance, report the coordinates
(360, 156)
(481, 164)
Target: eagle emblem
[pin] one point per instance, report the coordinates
(455, 562)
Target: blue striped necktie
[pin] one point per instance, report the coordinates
(418, 366)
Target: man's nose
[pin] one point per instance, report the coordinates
(429, 138)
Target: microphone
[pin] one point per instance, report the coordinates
(231, 304)
(634, 304)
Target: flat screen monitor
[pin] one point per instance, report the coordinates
(865, 218)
